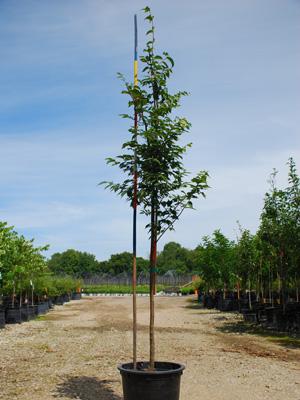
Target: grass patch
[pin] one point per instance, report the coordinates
(287, 341)
(43, 318)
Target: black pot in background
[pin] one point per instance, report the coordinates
(225, 304)
(12, 315)
(76, 296)
(66, 297)
(31, 312)
(2, 318)
(58, 300)
(161, 384)
(42, 308)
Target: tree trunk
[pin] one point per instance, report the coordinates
(13, 295)
(134, 338)
(238, 287)
(21, 289)
(152, 282)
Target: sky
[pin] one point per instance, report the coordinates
(61, 99)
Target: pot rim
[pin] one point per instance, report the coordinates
(159, 364)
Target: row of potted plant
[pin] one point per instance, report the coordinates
(17, 310)
(140, 289)
(258, 309)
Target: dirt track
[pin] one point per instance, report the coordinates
(74, 353)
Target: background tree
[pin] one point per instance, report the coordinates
(209, 269)
(223, 254)
(293, 225)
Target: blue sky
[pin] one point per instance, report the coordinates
(60, 101)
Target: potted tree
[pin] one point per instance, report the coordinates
(156, 182)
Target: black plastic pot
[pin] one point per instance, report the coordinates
(31, 312)
(76, 296)
(298, 320)
(42, 308)
(271, 314)
(66, 298)
(58, 300)
(211, 303)
(12, 315)
(224, 304)
(24, 314)
(2, 318)
(250, 316)
(161, 384)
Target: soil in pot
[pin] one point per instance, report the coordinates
(161, 384)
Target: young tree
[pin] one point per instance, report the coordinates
(207, 263)
(293, 224)
(223, 253)
(154, 150)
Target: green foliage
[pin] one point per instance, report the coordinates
(280, 229)
(187, 290)
(261, 261)
(176, 258)
(73, 262)
(76, 263)
(162, 189)
(20, 261)
(119, 289)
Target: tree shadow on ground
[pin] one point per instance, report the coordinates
(193, 304)
(85, 388)
(264, 330)
(196, 305)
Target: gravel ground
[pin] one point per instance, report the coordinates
(74, 351)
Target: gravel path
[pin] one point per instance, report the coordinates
(74, 352)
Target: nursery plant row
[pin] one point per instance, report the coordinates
(17, 314)
(258, 310)
(140, 289)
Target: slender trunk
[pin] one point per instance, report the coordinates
(238, 287)
(272, 289)
(152, 283)
(13, 295)
(151, 331)
(134, 311)
(278, 285)
(21, 296)
(261, 279)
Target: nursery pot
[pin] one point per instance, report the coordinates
(12, 315)
(2, 318)
(76, 296)
(42, 308)
(161, 384)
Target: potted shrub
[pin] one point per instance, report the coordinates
(156, 183)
